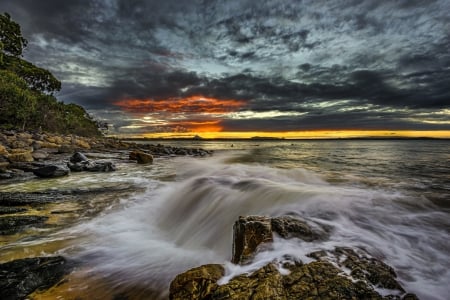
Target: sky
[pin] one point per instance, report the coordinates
(241, 68)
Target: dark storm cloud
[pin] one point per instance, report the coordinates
(289, 56)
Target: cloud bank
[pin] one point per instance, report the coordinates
(182, 66)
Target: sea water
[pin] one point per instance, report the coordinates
(391, 198)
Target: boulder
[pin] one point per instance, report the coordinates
(197, 283)
(248, 233)
(40, 155)
(78, 157)
(51, 171)
(141, 157)
(21, 277)
(251, 232)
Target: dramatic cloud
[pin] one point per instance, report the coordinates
(244, 65)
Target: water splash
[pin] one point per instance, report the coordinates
(188, 222)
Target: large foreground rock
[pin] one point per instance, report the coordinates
(316, 280)
(343, 273)
(21, 277)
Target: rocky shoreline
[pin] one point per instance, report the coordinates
(26, 151)
(26, 156)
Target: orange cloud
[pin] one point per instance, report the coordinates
(192, 104)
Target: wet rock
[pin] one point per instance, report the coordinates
(316, 280)
(13, 224)
(78, 157)
(322, 279)
(265, 283)
(31, 199)
(364, 267)
(6, 175)
(11, 210)
(249, 233)
(79, 162)
(106, 166)
(290, 227)
(92, 166)
(195, 284)
(21, 277)
(141, 157)
(51, 171)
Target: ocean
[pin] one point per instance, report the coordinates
(389, 197)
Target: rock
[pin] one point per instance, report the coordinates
(106, 166)
(51, 171)
(76, 167)
(6, 174)
(289, 227)
(265, 283)
(316, 280)
(49, 145)
(26, 166)
(248, 233)
(5, 210)
(78, 157)
(3, 150)
(66, 149)
(92, 166)
(82, 144)
(40, 155)
(141, 157)
(21, 277)
(36, 145)
(19, 144)
(197, 283)
(252, 231)
(23, 156)
(13, 224)
(321, 279)
(364, 267)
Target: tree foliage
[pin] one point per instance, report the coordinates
(11, 37)
(26, 99)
